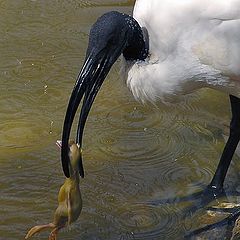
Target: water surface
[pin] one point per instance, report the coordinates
(133, 154)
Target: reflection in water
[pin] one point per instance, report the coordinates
(133, 153)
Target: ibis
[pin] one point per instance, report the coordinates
(169, 48)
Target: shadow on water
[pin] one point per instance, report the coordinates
(133, 153)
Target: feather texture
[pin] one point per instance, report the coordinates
(192, 44)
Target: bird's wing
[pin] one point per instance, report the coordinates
(217, 36)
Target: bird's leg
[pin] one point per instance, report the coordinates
(230, 147)
(215, 188)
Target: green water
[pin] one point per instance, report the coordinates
(132, 153)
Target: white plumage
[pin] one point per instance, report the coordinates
(193, 44)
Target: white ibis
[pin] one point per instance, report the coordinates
(169, 48)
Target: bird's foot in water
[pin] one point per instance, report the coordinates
(206, 196)
(230, 220)
(229, 213)
(199, 199)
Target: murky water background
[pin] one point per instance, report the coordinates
(132, 153)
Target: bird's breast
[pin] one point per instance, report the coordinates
(168, 81)
(153, 81)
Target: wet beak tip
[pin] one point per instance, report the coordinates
(59, 143)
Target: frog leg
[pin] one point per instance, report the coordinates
(54, 232)
(37, 229)
(69, 206)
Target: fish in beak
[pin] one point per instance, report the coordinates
(113, 34)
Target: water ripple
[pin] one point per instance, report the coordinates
(132, 153)
(127, 117)
(147, 222)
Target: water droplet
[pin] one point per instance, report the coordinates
(45, 89)
(51, 127)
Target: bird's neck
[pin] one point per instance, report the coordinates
(137, 47)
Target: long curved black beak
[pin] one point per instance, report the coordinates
(88, 83)
(113, 33)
